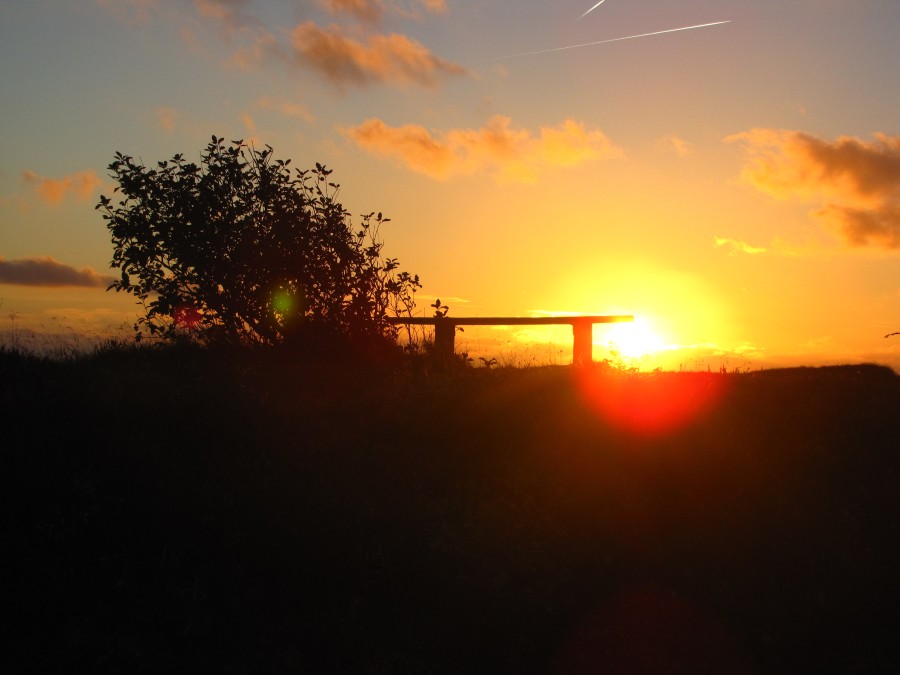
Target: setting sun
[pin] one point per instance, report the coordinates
(537, 337)
(633, 340)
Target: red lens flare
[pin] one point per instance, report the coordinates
(651, 404)
(186, 316)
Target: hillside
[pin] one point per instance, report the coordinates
(188, 511)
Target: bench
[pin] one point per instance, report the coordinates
(445, 329)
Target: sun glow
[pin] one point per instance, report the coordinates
(673, 310)
(633, 340)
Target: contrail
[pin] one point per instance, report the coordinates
(601, 42)
(591, 9)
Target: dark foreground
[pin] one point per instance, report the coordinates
(186, 512)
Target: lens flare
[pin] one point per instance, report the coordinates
(283, 303)
(652, 404)
(187, 316)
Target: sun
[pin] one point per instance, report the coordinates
(635, 339)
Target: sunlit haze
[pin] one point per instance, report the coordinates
(726, 171)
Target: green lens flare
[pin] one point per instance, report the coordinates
(283, 303)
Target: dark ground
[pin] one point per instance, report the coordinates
(193, 512)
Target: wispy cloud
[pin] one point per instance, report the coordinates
(251, 134)
(231, 15)
(392, 59)
(373, 10)
(445, 299)
(285, 107)
(82, 185)
(166, 118)
(131, 11)
(223, 10)
(262, 49)
(511, 155)
(47, 271)
(673, 143)
(237, 26)
(858, 180)
(366, 10)
(436, 6)
(736, 246)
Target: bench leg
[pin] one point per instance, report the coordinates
(444, 338)
(582, 343)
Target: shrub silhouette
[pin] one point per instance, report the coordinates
(243, 249)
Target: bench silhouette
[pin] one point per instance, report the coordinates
(445, 329)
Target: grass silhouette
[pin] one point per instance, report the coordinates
(193, 510)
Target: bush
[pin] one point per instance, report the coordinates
(243, 250)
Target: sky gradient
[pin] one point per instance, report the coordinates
(736, 186)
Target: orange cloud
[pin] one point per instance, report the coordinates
(264, 47)
(251, 135)
(223, 10)
(286, 108)
(230, 16)
(165, 118)
(372, 10)
(436, 6)
(215, 10)
(511, 155)
(878, 226)
(673, 143)
(53, 191)
(393, 59)
(47, 271)
(859, 181)
(236, 25)
(367, 10)
(736, 246)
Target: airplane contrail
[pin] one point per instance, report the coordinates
(591, 9)
(601, 42)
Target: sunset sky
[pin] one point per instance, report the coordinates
(736, 186)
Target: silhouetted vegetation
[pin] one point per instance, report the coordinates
(197, 510)
(239, 248)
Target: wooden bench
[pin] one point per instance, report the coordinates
(445, 329)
